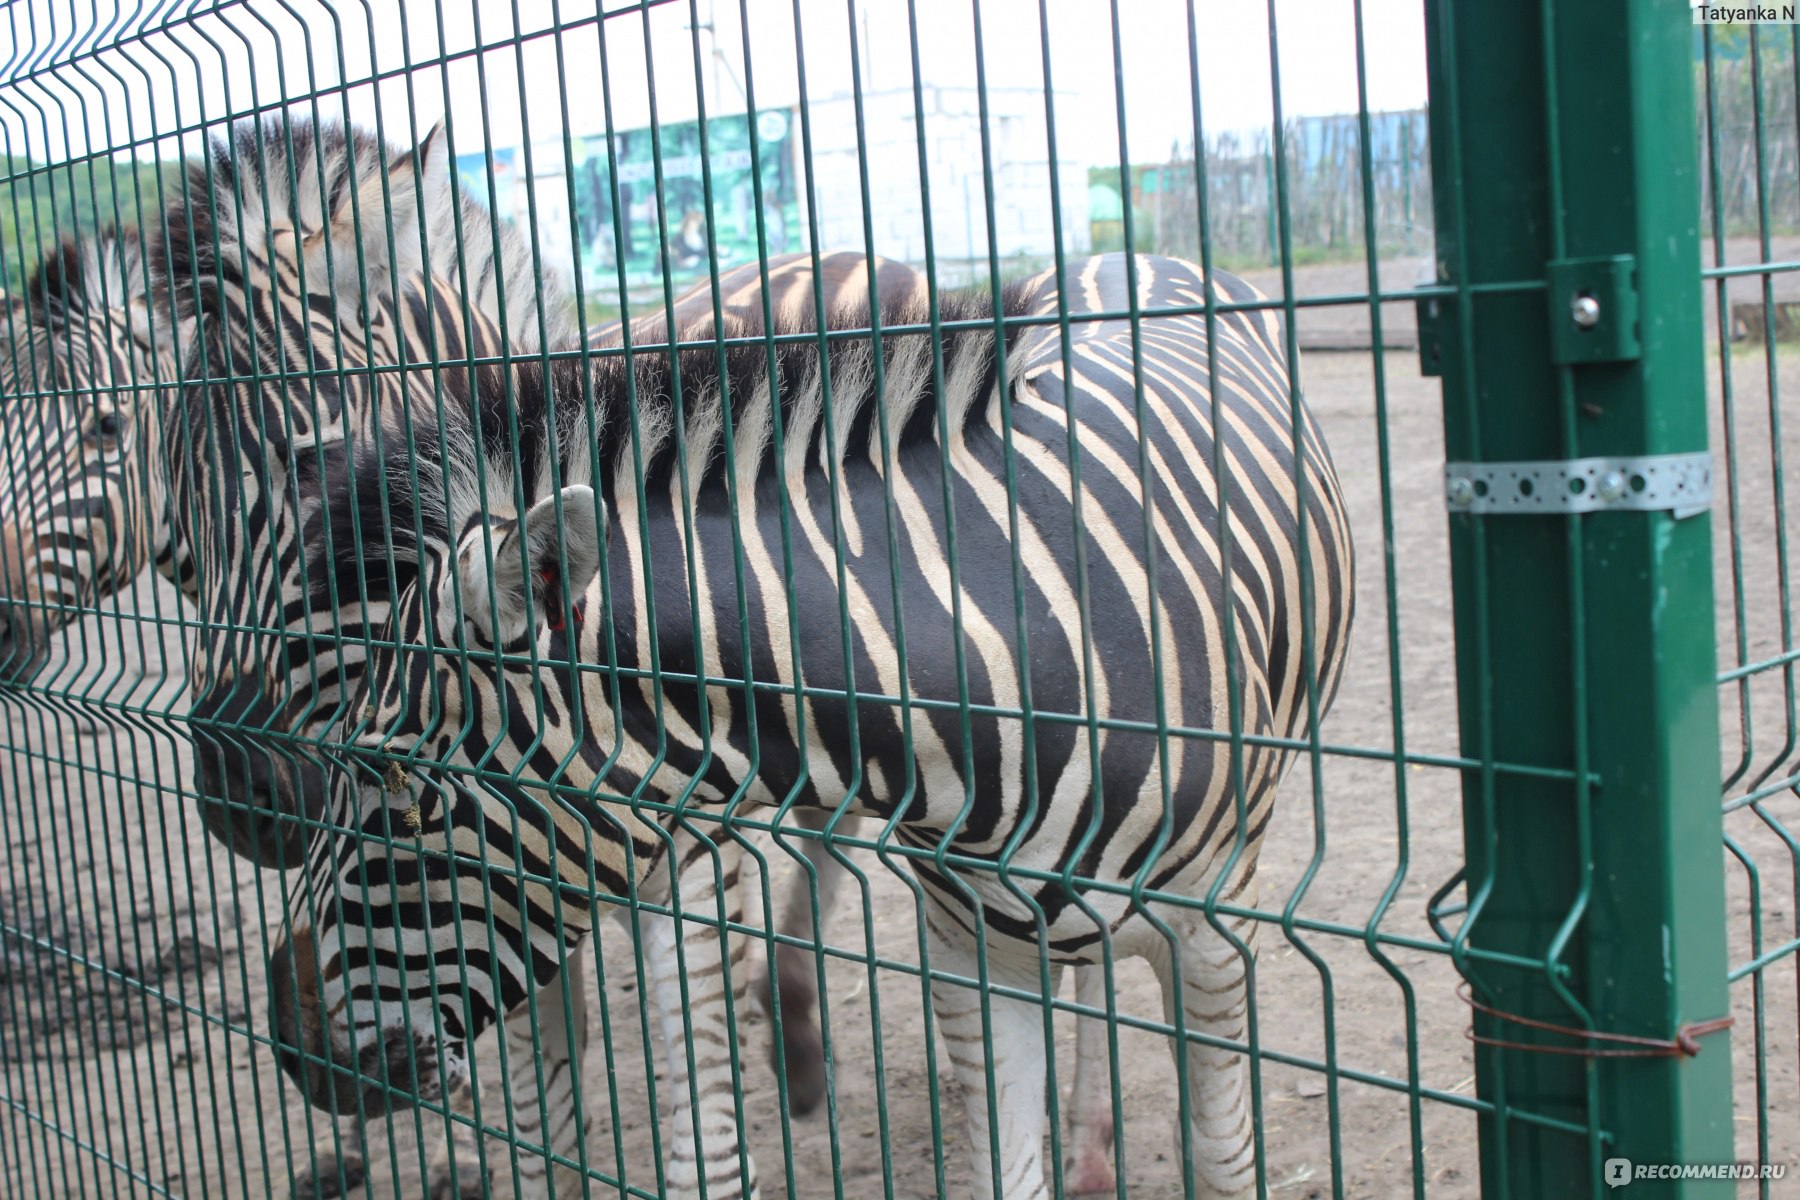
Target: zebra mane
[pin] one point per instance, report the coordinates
(72, 279)
(368, 218)
(84, 276)
(478, 470)
(93, 286)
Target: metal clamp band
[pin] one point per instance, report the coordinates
(1681, 484)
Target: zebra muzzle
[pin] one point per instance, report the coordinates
(389, 1068)
(255, 789)
(24, 636)
(24, 644)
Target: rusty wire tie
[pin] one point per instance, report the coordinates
(1685, 1043)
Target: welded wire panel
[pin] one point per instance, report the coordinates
(599, 600)
(866, 132)
(1747, 128)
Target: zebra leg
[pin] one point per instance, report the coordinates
(802, 1046)
(336, 1167)
(455, 1170)
(1213, 1000)
(703, 1094)
(1011, 1046)
(548, 1117)
(1091, 1130)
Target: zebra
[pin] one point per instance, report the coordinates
(82, 356)
(262, 576)
(370, 216)
(529, 726)
(85, 503)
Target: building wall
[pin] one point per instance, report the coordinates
(1024, 227)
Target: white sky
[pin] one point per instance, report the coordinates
(152, 74)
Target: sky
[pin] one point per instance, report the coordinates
(89, 80)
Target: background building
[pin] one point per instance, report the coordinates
(623, 225)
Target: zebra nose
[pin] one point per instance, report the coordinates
(24, 635)
(394, 1067)
(408, 1065)
(252, 789)
(23, 648)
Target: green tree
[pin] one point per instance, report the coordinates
(40, 204)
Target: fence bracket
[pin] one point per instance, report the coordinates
(1593, 309)
(1680, 484)
(1431, 318)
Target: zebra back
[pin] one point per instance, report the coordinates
(792, 287)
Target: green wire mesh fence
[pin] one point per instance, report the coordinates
(1744, 76)
(598, 600)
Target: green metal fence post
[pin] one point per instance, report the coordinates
(1564, 180)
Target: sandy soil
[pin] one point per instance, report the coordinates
(131, 948)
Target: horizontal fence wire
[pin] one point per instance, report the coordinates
(852, 745)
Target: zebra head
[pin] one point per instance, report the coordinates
(301, 273)
(81, 502)
(437, 894)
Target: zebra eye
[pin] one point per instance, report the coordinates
(109, 425)
(369, 765)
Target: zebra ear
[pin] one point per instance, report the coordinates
(419, 179)
(528, 588)
(388, 201)
(57, 286)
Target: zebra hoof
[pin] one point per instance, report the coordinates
(331, 1174)
(1090, 1175)
(801, 1049)
(467, 1183)
(804, 1052)
(1090, 1167)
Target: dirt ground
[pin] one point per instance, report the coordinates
(111, 1089)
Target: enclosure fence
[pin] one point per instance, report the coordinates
(604, 600)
